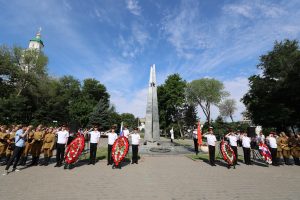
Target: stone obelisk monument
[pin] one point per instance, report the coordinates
(152, 120)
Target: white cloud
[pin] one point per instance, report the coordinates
(255, 9)
(133, 7)
(244, 10)
(134, 43)
(185, 31)
(116, 73)
(241, 32)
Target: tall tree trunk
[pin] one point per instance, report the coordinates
(208, 114)
(180, 131)
(231, 118)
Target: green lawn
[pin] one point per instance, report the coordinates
(181, 142)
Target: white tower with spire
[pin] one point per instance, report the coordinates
(36, 42)
(35, 46)
(152, 120)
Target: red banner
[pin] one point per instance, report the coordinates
(199, 134)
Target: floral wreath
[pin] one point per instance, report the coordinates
(74, 149)
(227, 152)
(119, 149)
(265, 152)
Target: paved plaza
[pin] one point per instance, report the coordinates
(155, 177)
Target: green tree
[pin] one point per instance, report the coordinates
(114, 117)
(129, 120)
(100, 114)
(15, 109)
(93, 89)
(29, 95)
(171, 99)
(22, 73)
(227, 108)
(7, 72)
(190, 115)
(205, 92)
(31, 68)
(274, 96)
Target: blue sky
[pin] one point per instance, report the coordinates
(116, 41)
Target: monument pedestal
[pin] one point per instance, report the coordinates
(164, 148)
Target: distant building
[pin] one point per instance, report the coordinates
(35, 44)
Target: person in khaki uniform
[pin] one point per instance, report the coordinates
(27, 149)
(279, 150)
(11, 142)
(48, 145)
(37, 144)
(294, 144)
(286, 151)
(3, 141)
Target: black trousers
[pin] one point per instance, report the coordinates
(247, 155)
(109, 158)
(135, 150)
(274, 155)
(234, 148)
(93, 151)
(60, 153)
(16, 155)
(196, 145)
(211, 151)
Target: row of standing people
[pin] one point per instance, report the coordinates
(36, 141)
(111, 138)
(17, 142)
(280, 145)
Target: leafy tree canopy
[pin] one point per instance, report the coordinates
(274, 96)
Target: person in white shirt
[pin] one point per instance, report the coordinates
(195, 138)
(246, 148)
(211, 142)
(273, 148)
(62, 139)
(94, 140)
(233, 138)
(135, 141)
(172, 135)
(112, 136)
(260, 138)
(126, 132)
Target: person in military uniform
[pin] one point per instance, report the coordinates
(37, 144)
(3, 141)
(279, 149)
(11, 143)
(286, 151)
(27, 149)
(294, 144)
(48, 145)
